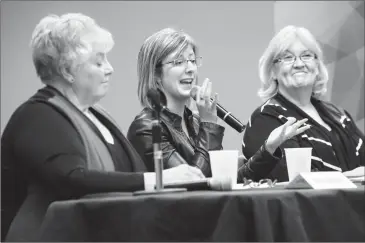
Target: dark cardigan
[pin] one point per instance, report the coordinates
(342, 146)
(43, 159)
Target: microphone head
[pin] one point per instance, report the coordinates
(155, 97)
(220, 184)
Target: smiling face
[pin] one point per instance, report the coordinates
(178, 80)
(300, 73)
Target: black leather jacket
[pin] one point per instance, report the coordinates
(178, 149)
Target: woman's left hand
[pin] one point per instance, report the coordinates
(285, 132)
(207, 108)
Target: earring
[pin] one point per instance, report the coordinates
(159, 83)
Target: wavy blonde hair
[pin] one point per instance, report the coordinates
(60, 43)
(153, 51)
(279, 44)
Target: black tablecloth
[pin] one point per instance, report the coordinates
(246, 215)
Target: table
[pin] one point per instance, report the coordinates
(274, 214)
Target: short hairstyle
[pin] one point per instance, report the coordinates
(279, 44)
(153, 51)
(60, 43)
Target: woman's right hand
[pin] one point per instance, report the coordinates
(182, 173)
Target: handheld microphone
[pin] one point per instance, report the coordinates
(223, 114)
(220, 184)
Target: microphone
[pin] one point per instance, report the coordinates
(157, 153)
(223, 114)
(155, 97)
(220, 184)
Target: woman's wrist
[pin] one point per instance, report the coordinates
(212, 119)
(269, 147)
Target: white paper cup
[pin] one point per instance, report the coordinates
(298, 160)
(224, 163)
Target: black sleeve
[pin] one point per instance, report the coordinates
(209, 137)
(255, 135)
(257, 131)
(140, 136)
(260, 165)
(354, 127)
(48, 146)
(355, 130)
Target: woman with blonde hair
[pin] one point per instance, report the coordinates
(168, 63)
(293, 84)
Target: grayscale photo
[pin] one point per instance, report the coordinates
(227, 121)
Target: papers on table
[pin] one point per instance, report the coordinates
(320, 180)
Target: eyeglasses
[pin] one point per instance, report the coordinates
(197, 61)
(252, 184)
(290, 58)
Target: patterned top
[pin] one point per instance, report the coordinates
(342, 147)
